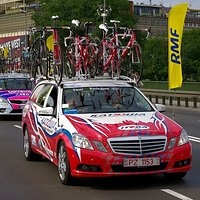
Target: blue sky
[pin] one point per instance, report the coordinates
(193, 3)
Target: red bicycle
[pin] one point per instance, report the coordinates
(113, 57)
(109, 50)
(80, 53)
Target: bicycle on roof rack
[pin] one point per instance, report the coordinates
(80, 53)
(38, 54)
(115, 56)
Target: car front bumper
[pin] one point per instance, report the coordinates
(8, 109)
(98, 164)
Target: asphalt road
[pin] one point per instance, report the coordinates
(23, 180)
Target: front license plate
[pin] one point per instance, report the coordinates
(140, 162)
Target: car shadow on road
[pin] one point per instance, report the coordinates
(10, 118)
(129, 182)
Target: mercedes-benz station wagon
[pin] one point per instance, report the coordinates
(102, 128)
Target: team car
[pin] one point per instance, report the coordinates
(102, 128)
(15, 90)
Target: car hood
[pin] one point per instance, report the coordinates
(15, 94)
(124, 124)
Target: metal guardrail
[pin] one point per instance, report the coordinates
(178, 98)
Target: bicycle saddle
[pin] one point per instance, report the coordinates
(88, 24)
(76, 22)
(103, 27)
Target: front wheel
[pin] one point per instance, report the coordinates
(28, 152)
(63, 165)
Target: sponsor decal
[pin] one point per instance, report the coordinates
(117, 115)
(133, 127)
(49, 125)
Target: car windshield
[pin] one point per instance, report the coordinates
(104, 99)
(16, 84)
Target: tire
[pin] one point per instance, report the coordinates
(101, 58)
(92, 57)
(133, 61)
(64, 171)
(70, 69)
(28, 153)
(58, 73)
(44, 60)
(174, 175)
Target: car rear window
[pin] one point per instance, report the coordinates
(16, 84)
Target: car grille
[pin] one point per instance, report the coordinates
(138, 145)
(18, 101)
(16, 111)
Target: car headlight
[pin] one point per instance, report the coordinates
(81, 141)
(183, 138)
(2, 100)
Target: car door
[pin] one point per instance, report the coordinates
(46, 105)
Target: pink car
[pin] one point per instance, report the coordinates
(15, 90)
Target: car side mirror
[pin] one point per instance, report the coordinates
(48, 111)
(160, 107)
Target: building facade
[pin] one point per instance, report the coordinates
(156, 17)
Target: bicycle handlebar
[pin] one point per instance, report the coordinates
(128, 30)
(56, 27)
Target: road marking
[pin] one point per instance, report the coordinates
(176, 194)
(17, 126)
(194, 139)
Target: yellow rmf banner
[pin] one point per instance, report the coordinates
(49, 43)
(176, 20)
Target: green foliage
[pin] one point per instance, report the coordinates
(191, 55)
(84, 10)
(155, 59)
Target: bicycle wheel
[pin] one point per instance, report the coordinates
(34, 64)
(57, 64)
(102, 59)
(132, 62)
(44, 60)
(91, 60)
(58, 72)
(115, 69)
(69, 67)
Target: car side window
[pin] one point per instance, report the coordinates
(52, 98)
(43, 95)
(36, 93)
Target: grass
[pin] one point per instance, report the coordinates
(163, 85)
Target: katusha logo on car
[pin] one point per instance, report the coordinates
(133, 127)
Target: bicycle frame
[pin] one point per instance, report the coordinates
(80, 50)
(132, 45)
(113, 47)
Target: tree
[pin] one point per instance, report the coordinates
(155, 59)
(191, 55)
(84, 10)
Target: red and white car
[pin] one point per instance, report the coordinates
(102, 128)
